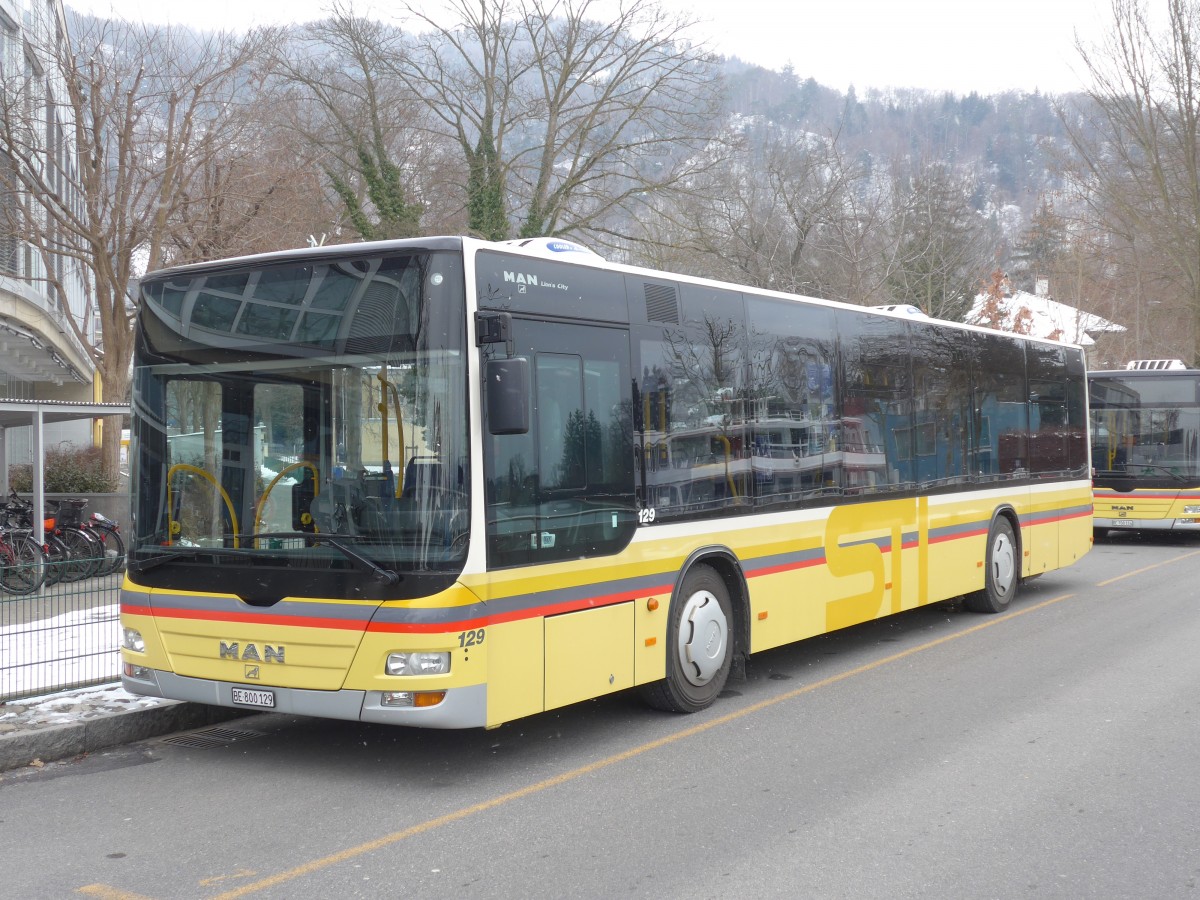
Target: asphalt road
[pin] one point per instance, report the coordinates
(1048, 752)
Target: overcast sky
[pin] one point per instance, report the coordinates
(959, 45)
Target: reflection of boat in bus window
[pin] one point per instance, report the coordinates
(863, 456)
(711, 467)
(794, 456)
(697, 468)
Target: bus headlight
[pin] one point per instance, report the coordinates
(131, 639)
(418, 662)
(1191, 510)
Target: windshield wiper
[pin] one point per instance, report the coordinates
(386, 576)
(178, 553)
(297, 535)
(1131, 471)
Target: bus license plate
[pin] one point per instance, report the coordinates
(261, 699)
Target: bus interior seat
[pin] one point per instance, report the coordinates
(423, 473)
(331, 507)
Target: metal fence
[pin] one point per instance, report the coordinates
(64, 636)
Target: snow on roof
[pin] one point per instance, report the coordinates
(1047, 318)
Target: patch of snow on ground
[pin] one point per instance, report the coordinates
(77, 646)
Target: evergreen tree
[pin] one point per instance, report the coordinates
(1040, 246)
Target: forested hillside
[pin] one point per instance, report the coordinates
(615, 129)
(1010, 139)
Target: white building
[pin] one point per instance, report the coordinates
(41, 358)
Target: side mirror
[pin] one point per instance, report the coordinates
(506, 383)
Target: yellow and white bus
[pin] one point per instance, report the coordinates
(1146, 447)
(448, 483)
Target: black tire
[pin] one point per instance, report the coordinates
(1002, 572)
(28, 572)
(699, 649)
(8, 565)
(112, 549)
(57, 559)
(85, 552)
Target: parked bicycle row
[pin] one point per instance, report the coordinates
(72, 548)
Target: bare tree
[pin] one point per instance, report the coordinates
(376, 150)
(769, 214)
(942, 245)
(1138, 137)
(262, 192)
(861, 255)
(568, 123)
(467, 74)
(149, 108)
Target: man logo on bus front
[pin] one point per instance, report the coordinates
(251, 652)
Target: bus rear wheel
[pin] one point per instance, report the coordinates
(699, 645)
(1001, 576)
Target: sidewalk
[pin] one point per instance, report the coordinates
(74, 723)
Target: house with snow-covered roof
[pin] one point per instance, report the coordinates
(1038, 316)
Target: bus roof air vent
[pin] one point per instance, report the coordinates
(1156, 364)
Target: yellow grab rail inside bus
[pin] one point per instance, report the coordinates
(262, 501)
(174, 526)
(385, 386)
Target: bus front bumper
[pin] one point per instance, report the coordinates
(464, 707)
(1188, 524)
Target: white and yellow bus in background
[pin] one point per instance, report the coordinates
(504, 478)
(1146, 447)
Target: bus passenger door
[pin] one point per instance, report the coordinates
(564, 491)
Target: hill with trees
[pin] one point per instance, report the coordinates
(516, 119)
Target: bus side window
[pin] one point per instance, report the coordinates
(564, 489)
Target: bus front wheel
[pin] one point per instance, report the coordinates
(1001, 573)
(699, 645)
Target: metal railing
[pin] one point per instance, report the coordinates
(62, 636)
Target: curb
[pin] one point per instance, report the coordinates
(56, 742)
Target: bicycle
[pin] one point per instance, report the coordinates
(86, 550)
(112, 544)
(61, 564)
(22, 562)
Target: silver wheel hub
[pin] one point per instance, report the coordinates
(1004, 564)
(703, 636)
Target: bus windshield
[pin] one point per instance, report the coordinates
(304, 417)
(1145, 428)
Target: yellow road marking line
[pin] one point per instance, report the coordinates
(104, 892)
(1157, 565)
(429, 825)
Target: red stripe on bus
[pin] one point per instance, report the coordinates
(516, 615)
(1182, 494)
(1066, 517)
(785, 567)
(397, 627)
(510, 616)
(204, 615)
